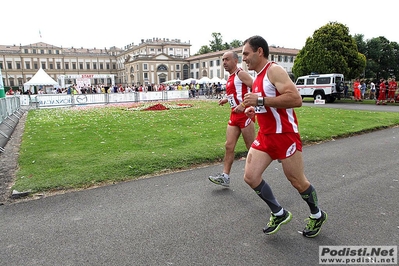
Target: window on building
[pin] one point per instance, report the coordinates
(291, 59)
(1, 65)
(36, 65)
(26, 51)
(42, 51)
(9, 65)
(34, 51)
(161, 68)
(18, 65)
(203, 64)
(196, 65)
(50, 52)
(20, 82)
(11, 82)
(73, 65)
(285, 58)
(107, 65)
(27, 65)
(272, 57)
(51, 66)
(87, 65)
(80, 65)
(57, 51)
(218, 62)
(94, 65)
(43, 65)
(192, 66)
(145, 67)
(178, 67)
(58, 65)
(66, 65)
(113, 66)
(145, 75)
(101, 66)
(211, 63)
(279, 58)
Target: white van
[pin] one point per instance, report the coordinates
(326, 87)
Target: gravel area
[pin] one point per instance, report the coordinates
(9, 161)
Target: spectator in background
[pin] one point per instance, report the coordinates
(382, 93)
(356, 90)
(392, 87)
(363, 88)
(219, 91)
(346, 88)
(372, 91)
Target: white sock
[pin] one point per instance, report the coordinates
(315, 215)
(281, 212)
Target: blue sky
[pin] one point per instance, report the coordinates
(118, 23)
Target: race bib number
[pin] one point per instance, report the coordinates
(231, 101)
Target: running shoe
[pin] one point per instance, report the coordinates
(220, 179)
(276, 221)
(313, 227)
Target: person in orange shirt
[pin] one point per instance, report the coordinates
(382, 94)
(392, 87)
(356, 90)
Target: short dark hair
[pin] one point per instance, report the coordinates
(257, 41)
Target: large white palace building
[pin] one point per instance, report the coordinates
(153, 61)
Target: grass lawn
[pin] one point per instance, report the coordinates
(77, 148)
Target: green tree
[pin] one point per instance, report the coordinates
(216, 44)
(204, 50)
(382, 58)
(331, 49)
(235, 44)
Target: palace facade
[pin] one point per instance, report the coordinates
(153, 61)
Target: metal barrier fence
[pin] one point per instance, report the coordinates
(10, 113)
(69, 100)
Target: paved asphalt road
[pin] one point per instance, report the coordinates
(183, 219)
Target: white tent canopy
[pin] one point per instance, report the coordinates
(189, 81)
(41, 78)
(204, 80)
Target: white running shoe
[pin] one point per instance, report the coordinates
(220, 179)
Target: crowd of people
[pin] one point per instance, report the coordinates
(195, 90)
(383, 92)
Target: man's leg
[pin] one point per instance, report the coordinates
(232, 135)
(256, 164)
(248, 134)
(294, 171)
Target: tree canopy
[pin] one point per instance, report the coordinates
(216, 44)
(331, 50)
(382, 57)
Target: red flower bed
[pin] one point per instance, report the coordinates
(156, 107)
